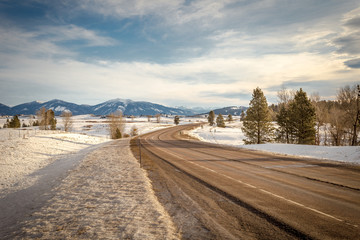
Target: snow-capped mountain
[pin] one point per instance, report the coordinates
(110, 106)
(128, 107)
(58, 106)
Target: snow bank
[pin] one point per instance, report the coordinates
(232, 135)
(348, 154)
(20, 156)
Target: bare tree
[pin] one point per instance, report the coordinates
(31, 120)
(42, 118)
(149, 118)
(348, 99)
(116, 125)
(67, 120)
(158, 116)
(337, 125)
(285, 97)
(322, 117)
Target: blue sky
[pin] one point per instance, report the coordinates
(176, 53)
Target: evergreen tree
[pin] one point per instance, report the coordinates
(118, 134)
(15, 122)
(302, 118)
(285, 127)
(220, 121)
(257, 125)
(211, 118)
(230, 118)
(177, 120)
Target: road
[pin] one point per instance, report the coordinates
(253, 195)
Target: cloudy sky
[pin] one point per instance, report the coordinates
(176, 52)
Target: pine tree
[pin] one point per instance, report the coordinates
(118, 134)
(220, 121)
(211, 118)
(230, 118)
(257, 125)
(302, 118)
(176, 120)
(14, 123)
(285, 127)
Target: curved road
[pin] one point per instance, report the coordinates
(303, 198)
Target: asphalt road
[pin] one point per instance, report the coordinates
(301, 198)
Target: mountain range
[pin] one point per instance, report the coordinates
(128, 107)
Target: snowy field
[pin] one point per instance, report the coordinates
(232, 135)
(26, 150)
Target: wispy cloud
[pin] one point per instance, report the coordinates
(348, 41)
(72, 32)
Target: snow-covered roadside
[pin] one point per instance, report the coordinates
(232, 135)
(24, 151)
(23, 156)
(106, 197)
(138, 213)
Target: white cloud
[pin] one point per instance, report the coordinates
(16, 41)
(175, 12)
(72, 32)
(163, 83)
(238, 60)
(43, 42)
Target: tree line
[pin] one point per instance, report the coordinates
(45, 120)
(302, 120)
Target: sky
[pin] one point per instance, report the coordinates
(197, 53)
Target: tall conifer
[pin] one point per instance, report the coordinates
(220, 121)
(211, 118)
(302, 118)
(257, 125)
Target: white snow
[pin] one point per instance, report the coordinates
(128, 202)
(24, 151)
(21, 156)
(60, 109)
(232, 135)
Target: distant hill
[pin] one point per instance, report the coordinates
(233, 110)
(128, 107)
(4, 110)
